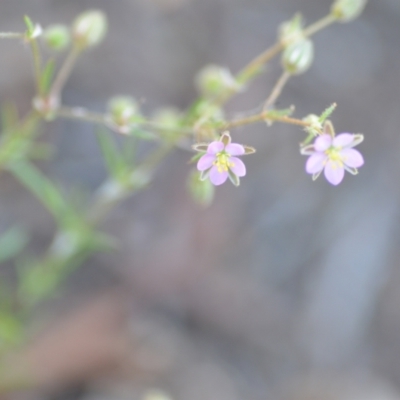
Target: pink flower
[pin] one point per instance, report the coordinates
(220, 162)
(333, 155)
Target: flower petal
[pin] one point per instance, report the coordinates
(316, 163)
(215, 147)
(352, 158)
(235, 149)
(238, 167)
(343, 140)
(323, 142)
(205, 162)
(218, 178)
(334, 172)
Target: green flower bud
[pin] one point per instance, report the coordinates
(202, 192)
(56, 37)
(168, 118)
(124, 113)
(347, 10)
(291, 31)
(298, 57)
(213, 81)
(89, 28)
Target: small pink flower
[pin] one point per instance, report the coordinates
(220, 162)
(333, 155)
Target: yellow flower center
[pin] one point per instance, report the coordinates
(222, 161)
(335, 156)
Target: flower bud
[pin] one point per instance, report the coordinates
(315, 126)
(89, 28)
(124, 113)
(347, 10)
(298, 57)
(213, 81)
(168, 118)
(56, 37)
(201, 191)
(291, 31)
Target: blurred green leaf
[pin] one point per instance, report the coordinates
(29, 25)
(45, 191)
(9, 116)
(47, 76)
(326, 114)
(12, 242)
(112, 157)
(11, 330)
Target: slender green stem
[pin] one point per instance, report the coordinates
(81, 114)
(277, 90)
(319, 25)
(12, 35)
(263, 116)
(37, 61)
(64, 72)
(256, 65)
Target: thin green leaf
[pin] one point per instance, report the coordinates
(47, 76)
(9, 116)
(29, 25)
(326, 114)
(44, 190)
(112, 157)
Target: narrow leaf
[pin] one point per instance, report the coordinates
(47, 76)
(43, 189)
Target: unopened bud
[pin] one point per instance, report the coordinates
(168, 118)
(213, 81)
(291, 31)
(89, 28)
(347, 10)
(298, 57)
(315, 126)
(124, 113)
(56, 37)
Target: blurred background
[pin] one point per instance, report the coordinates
(284, 287)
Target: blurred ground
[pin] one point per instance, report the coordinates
(279, 280)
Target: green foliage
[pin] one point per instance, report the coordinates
(12, 243)
(47, 76)
(45, 191)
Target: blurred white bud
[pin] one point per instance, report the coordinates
(298, 57)
(89, 28)
(347, 10)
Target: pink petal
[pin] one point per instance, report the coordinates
(205, 162)
(316, 163)
(343, 140)
(238, 167)
(334, 172)
(218, 178)
(215, 147)
(323, 142)
(352, 158)
(235, 149)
